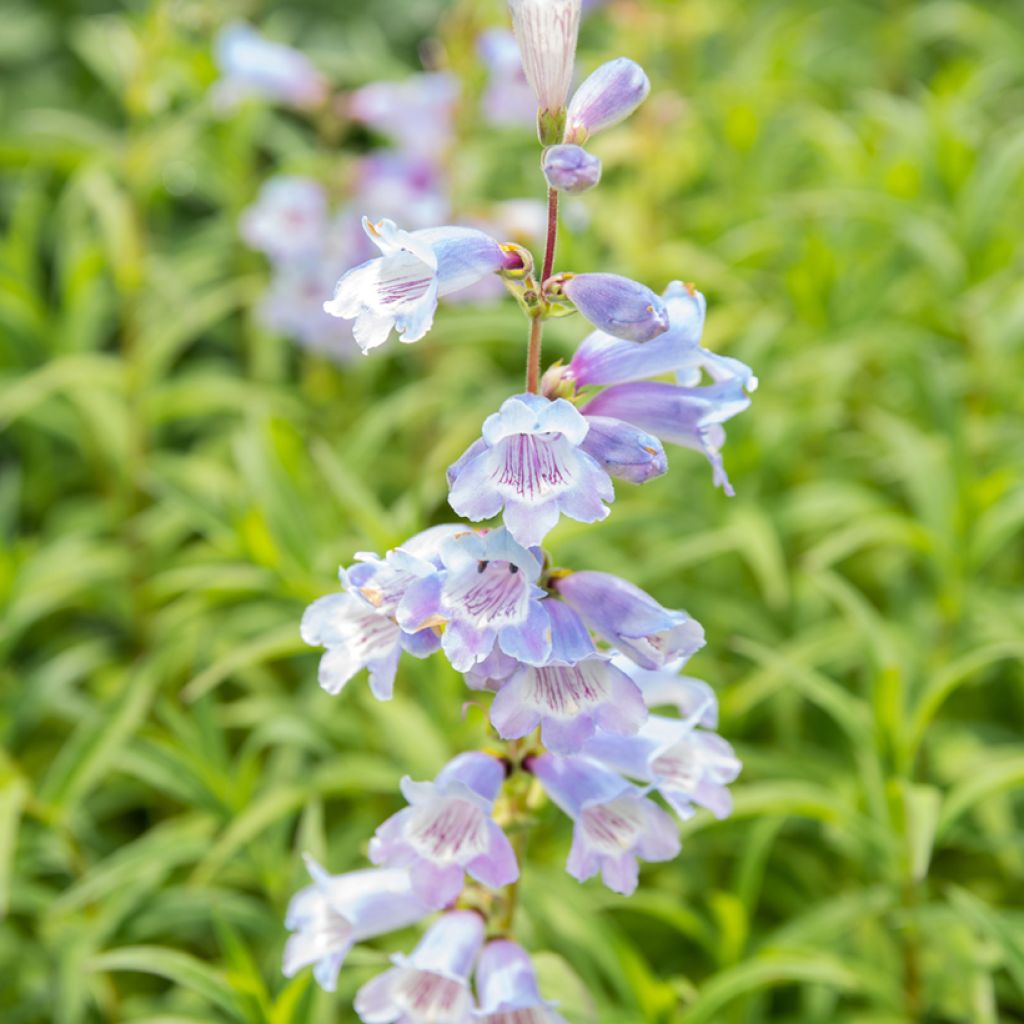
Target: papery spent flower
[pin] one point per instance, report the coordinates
(486, 596)
(614, 824)
(530, 463)
(432, 985)
(616, 305)
(604, 359)
(508, 100)
(607, 97)
(690, 417)
(624, 451)
(254, 67)
(506, 985)
(570, 169)
(685, 764)
(399, 289)
(447, 830)
(417, 114)
(568, 702)
(337, 911)
(630, 619)
(288, 219)
(546, 31)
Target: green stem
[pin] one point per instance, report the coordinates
(533, 352)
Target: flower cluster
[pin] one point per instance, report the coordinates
(582, 670)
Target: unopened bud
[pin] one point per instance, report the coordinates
(571, 169)
(616, 305)
(607, 97)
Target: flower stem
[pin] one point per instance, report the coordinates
(537, 322)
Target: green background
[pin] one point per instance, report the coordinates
(845, 182)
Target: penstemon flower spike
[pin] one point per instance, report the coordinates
(581, 666)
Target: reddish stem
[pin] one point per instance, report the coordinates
(549, 252)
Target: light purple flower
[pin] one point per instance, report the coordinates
(447, 830)
(568, 702)
(570, 169)
(399, 290)
(530, 463)
(254, 67)
(685, 764)
(607, 97)
(288, 219)
(395, 184)
(508, 100)
(506, 984)
(665, 687)
(614, 824)
(604, 359)
(616, 305)
(624, 451)
(337, 911)
(486, 596)
(546, 31)
(432, 985)
(417, 114)
(630, 619)
(690, 417)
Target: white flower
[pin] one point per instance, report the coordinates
(546, 31)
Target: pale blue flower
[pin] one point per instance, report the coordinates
(570, 169)
(616, 305)
(506, 985)
(607, 97)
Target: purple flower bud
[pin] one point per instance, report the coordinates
(690, 417)
(617, 305)
(546, 31)
(447, 829)
(630, 619)
(433, 983)
(624, 451)
(570, 169)
(507, 986)
(337, 911)
(614, 824)
(607, 97)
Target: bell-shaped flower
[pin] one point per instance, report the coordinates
(337, 911)
(630, 619)
(447, 830)
(665, 687)
(432, 985)
(485, 596)
(685, 764)
(530, 463)
(547, 31)
(399, 289)
(417, 113)
(607, 97)
(615, 305)
(624, 451)
(288, 220)
(605, 359)
(570, 169)
(569, 702)
(614, 824)
(689, 417)
(254, 67)
(506, 986)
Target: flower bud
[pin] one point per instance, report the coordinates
(570, 169)
(546, 31)
(607, 97)
(616, 305)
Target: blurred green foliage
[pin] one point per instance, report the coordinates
(845, 181)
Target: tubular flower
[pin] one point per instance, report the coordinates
(399, 289)
(616, 305)
(614, 824)
(607, 97)
(624, 451)
(546, 31)
(506, 984)
(665, 687)
(288, 220)
(337, 911)
(432, 985)
(254, 67)
(447, 830)
(568, 702)
(630, 619)
(531, 464)
(686, 765)
(605, 359)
